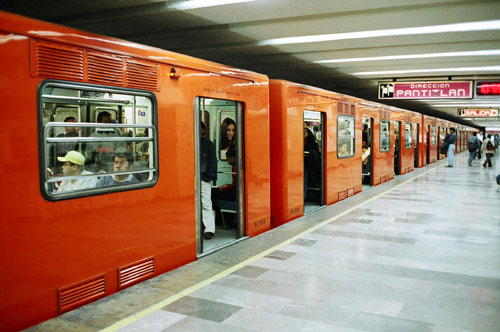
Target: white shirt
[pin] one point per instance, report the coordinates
(83, 183)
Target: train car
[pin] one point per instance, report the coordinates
(101, 168)
(315, 149)
(377, 118)
(430, 139)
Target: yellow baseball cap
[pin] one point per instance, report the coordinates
(74, 157)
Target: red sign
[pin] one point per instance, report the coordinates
(489, 88)
(425, 90)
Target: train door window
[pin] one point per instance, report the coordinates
(415, 131)
(433, 135)
(313, 160)
(79, 157)
(385, 135)
(345, 136)
(222, 221)
(366, 149)
(408, 136)
(397, 147)
(428, 149)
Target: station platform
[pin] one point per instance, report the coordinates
(419, 253)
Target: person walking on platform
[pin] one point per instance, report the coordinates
(451, 140)
(480, 138)
(473, 146)
(488, 149)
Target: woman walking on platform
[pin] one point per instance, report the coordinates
(488, 148)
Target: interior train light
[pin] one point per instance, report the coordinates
(173, 73)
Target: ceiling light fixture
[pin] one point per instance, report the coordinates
(433, 70)
(456, 27)
(194, 4)
(413, 56)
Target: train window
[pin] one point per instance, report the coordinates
(408, 136)
(385, 135)
(433, 136)
(95, 140)
(345, 136)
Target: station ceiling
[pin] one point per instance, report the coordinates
(346, 46)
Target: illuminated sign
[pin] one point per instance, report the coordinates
(478, 112)
(487, 88)
(425, 90)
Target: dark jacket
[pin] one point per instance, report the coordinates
(451, 139)
(208, 160)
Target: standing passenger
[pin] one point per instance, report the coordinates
(451, 139)
(488, 149)
(99, 155)
(228, 134)
(208, 171)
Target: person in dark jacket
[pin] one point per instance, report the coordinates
(312, 164)
(451, 140)
(208, 171)
(473, 145)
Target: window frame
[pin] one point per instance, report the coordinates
(389, 135)
(353, 136)
(411, 135)
(43, 143)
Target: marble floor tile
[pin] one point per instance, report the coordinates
(379, 323)
(201, 308)
(156, 321)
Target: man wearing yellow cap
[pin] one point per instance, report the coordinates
(73, 163)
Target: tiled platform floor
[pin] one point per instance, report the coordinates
(423, 256)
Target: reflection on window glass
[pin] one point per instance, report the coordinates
(96, 140)
(408, 136)
(385, 135)
(345, 140)
(433, 135)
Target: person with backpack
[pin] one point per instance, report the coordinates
(473, 146)
(488, 149)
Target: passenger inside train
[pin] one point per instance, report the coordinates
(123, 161)
(73, 165)
(312, 163)
(99, 156)
(228, 135)
(226, 192)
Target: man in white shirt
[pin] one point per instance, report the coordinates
(480, 138)
(73, 163)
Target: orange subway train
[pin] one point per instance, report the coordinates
(123, 161)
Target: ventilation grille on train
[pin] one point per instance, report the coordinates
(135, 272)
(78, 294)
(105, 69)
(63, 62)
(58, 62)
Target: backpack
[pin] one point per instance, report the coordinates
(472, 146)
(489, 146)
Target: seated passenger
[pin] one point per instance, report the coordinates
(122, 162)
(73, 163)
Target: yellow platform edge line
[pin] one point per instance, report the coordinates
(132, 318)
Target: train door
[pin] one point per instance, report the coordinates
(397, 147)
(313, 161)
(428, 148)
(220, 205)
(367, 151)
(416, 142)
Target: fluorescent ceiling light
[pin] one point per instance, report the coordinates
(456, 27)
(414, 56)
(193, 4)
(434, 70)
